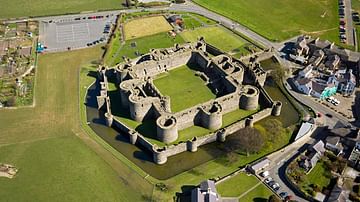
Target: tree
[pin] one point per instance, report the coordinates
(274, 198)
(278, 74)
(247, 139)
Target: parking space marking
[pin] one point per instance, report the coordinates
(72, 32)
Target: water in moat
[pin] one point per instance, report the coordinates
(181, 162)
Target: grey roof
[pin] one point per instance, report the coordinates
(206, 193)
(205, 185)
(317, 87)
(343, 132)
(319, 147)
(303, 81)
(337, 195)
(332, 140)
(304, 129)
(260, 165)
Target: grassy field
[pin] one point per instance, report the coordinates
(216, 36)
(319, 175)
(260, 194)
(143, 46)
(23, 8)
(183, 93)
(145, 27)
(237, 185)
(278, 20)
(43, 142)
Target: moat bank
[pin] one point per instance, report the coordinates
(184, 161)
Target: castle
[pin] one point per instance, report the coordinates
(236, 86)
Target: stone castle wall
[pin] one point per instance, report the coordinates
(144, 101)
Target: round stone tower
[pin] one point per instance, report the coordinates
(221, 135)
(249, 100)
(192, 145)
(159, 156)
(276, 110)
(249, 122)
(212, 118)
(167, 129)
(125, 88)
(139, 107)
(133, 136)
(109, 118)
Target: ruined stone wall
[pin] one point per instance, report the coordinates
(260, 56)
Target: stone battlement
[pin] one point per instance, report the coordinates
(223, 74)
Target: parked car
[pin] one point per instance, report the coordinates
(265, 174)
(271, 183)
(275, 186)
(329, 115)
(283, 195)
(267, 180)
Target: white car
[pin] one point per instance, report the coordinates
(267, 180)
(265, 174)
(276, 185)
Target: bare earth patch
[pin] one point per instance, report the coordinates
(7, 170)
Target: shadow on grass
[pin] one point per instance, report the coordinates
(185, 194)
(259, 199)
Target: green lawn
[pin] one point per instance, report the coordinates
(318, 175)
(143, 46)
(23, 8)
(237, 185)
(236, 115)
(184, 88)
(278, 20)
(259, 194)
(44, 143)
(217, 36)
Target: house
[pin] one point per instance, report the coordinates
(259, 166)
(312, 156)
(317, 57)
(306, 72)
(354, 158)
(333, 143)
(332, 62)
(337, 195)
(330, 68)
(301, 47)
(205, 193)
(347, 83)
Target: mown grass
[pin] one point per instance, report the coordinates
(237, 185)
(216, 36)
(24, 8)
(54, 164)
(260, 193)
(184, 88)
(142, 46)
(278, 20)
(319, 175)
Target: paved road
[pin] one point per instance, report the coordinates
(349, 24)
(317, 107)
(280, 158)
